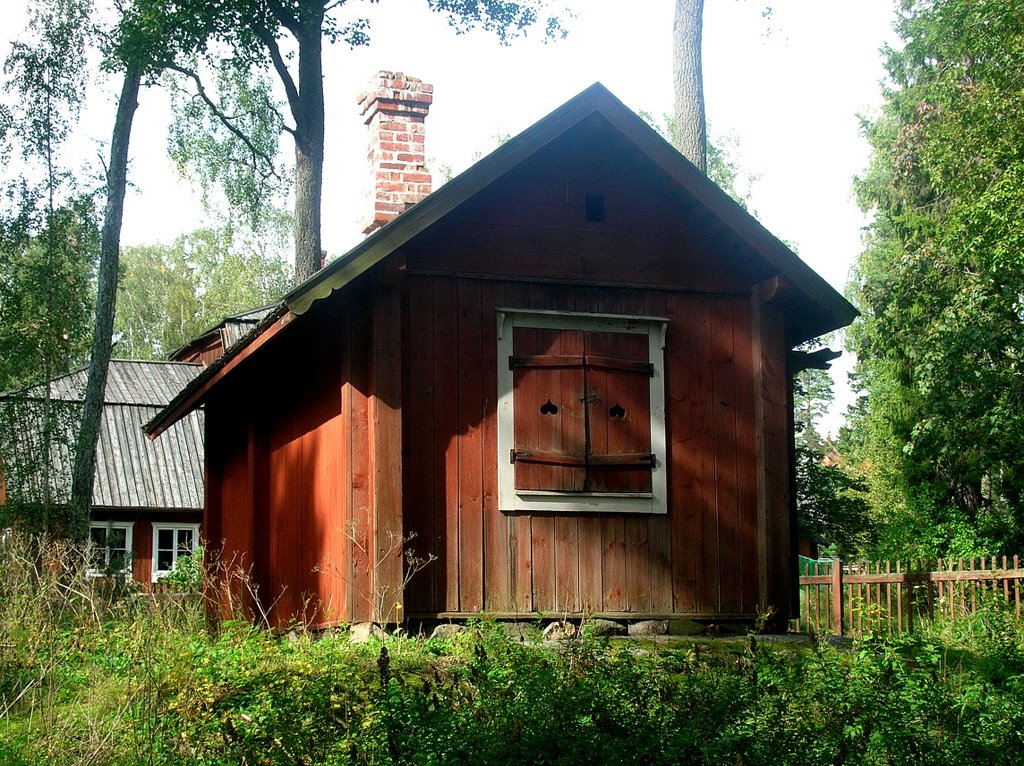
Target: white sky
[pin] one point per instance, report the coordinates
(790, 88)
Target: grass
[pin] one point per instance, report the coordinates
(91, 674)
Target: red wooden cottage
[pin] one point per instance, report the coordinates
(566, 372)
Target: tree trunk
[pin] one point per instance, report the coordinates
(309, 150)
(106, 294)
(690, 130)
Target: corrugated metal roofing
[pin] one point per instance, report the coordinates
(131, 470)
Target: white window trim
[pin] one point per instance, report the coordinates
(535, 501)
(157, 574)
(128, 542)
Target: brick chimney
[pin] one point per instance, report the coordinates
(394, 107)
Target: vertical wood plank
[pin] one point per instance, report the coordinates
(837, 597)
(386, 422)
(360, 518)
(446, 432)
(726, 455)
(421, 464)
(343, 559)
(773, 456)
(684, 377)
(497, 526)
(470, 439)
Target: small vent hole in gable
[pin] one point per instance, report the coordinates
(549, 408)
(617, 411)
(595, 208)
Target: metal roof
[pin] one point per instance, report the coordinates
(132, 472)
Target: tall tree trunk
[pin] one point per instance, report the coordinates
(110, 244)
(690, 132)
(309, 150)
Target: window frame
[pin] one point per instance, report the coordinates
(511, 499)
(129, 554)
(158, 574)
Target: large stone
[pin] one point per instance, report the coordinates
(520, 631)
(447, 630)
(648, 628)
(560, 630)
(686, 628)
(599, 627)
(361, 632)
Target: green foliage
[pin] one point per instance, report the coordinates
(48, 232)
(91, 672)
(187, 575)
(171, 294)
(237, 156)
(939, 283)
(46, 292)
(829, 496)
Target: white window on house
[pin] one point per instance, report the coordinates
(170, 543)
(581, 412)
(111, 544)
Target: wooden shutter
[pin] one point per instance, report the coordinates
(550, 429)
(582, 411)
(618, 373)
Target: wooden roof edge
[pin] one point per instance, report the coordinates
(193, 394)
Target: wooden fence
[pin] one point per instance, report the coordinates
(856, 598)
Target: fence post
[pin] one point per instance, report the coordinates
(837, 597)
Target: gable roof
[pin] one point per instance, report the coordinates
(131, 471)
(831, 309)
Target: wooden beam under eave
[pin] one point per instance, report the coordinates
(179, 409)
(386, 445)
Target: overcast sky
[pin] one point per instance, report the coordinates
(789, 87)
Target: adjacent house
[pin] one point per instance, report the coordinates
(564, 377)
(147, 502)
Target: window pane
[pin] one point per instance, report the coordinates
(118, 539)
(98, 536)
(165, 539)
(164, 560)
(185, 540)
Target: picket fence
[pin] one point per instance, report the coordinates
(882, 598)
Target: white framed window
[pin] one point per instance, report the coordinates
(170, 543)
(111, 548)
(581, 412)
